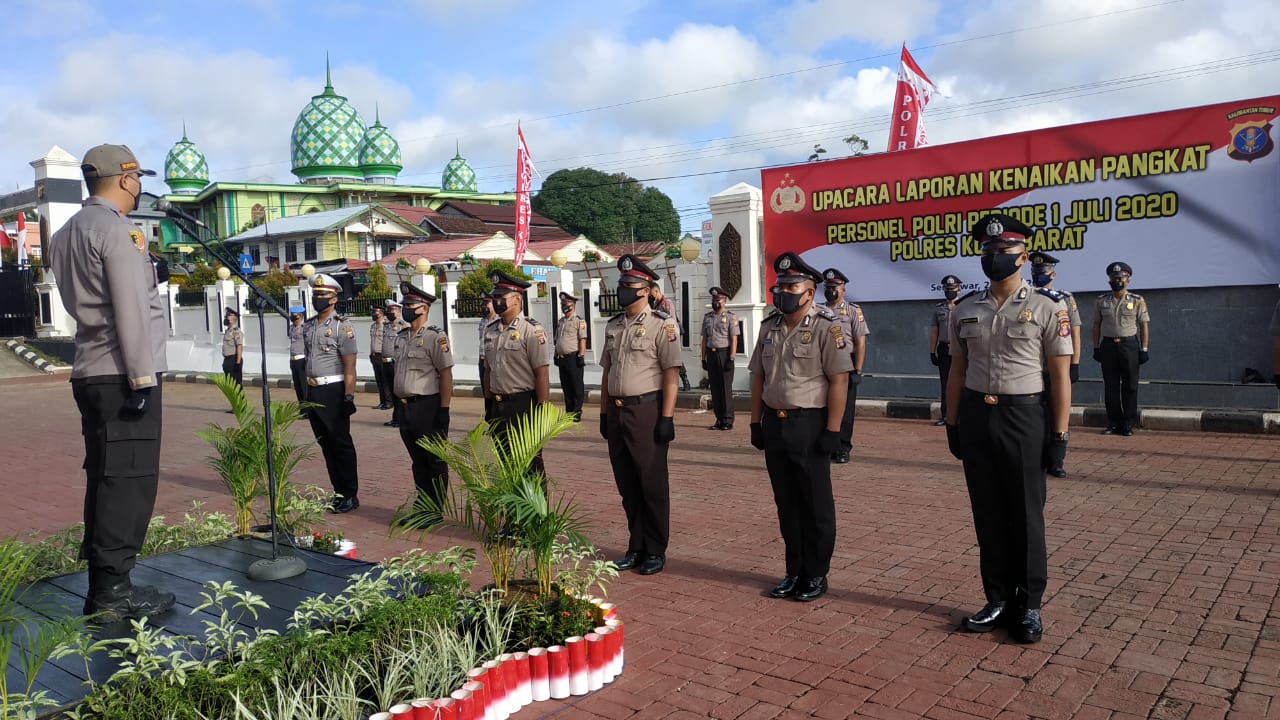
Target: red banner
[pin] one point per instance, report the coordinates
(1187, 197)
(906, 130)
(524, 182)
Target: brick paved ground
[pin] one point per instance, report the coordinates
(1162, 594)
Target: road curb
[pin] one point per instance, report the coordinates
(30, 357)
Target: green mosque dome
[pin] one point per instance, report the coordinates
(186, 171)
(327, 139)
(458, 176)
(380, 156)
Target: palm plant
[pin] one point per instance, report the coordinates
(496, 487)
(539, 526)
(240, 451)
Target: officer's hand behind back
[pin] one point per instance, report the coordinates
(828, 442)
(933, 359)
(1097, 354)
(757, 431)
(665, 430)
(349, 404)
(1143, 357)
(1055, 453)
(582, 361)
(136, 403)
(953, 442)
(1075, 372)
(442, 420)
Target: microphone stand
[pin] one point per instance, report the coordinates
(278, 567)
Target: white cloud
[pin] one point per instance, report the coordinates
(813, 24)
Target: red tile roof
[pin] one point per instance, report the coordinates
(495, 214)
(642, 250)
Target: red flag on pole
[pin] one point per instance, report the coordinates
(906, 131)
(524, 181)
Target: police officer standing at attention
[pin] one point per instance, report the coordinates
(1043, 271)
(940, 337)
(854, 325)
(1120, 333)
(517, 360)
(571, 355)
(108, 284)
(487, 317)
(298, 352)
(659, 301)
(799, 376)
(641, 363)
(331, 383)
(391, 329)
(423, 386)
(377, 328)
(233, 347)
(719, 348)
(1003, 341)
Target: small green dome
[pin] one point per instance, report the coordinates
(458, 176)
(327, 138)
(380, 156)
(186, 171)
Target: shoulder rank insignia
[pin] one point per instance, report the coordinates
(661, 315)
(435, 328)
(1053, 295)
(772, 315)
(531, 321)
(405, 332)
(966, 296)
(825, 313)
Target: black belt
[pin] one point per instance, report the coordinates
(944, 342)
(723, 349)
(416, 398)
(635, 399)
(512, 397)
(793, 414)
(994, 399)
(1120, 339)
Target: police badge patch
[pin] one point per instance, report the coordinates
(444, 343)
(1064, 324)
(542, 336)
(838, 335)
(139, 242)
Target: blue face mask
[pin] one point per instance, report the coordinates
(1041, 279)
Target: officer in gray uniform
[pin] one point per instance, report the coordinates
(940, 337)
(377, 330)
(571, 355)
(392, 327)
(331, 384)
(1003, 339)
(233, 347)
(799, 375)
(854, 325)
(641, 369)
(1043, 271)
(719, 350)
(517, 360)
(487, 317)
(108, 284)
(298, 352)
(423, 386)
(1121, 328)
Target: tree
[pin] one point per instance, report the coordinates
(857, 146)
(376, 287)
(477, 282)
(607, 208)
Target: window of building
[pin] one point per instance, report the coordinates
(387, 247)
(309, 249)
(257, 214)
(256, 253)
(291, 252)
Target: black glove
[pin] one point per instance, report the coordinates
(855, 377)
(757, 431)
(582, 361)
(442, 420)
(349, 405)
(953, 442)
(1055, 452)
(1075, 373)
(665, 430)
(933, 359)
(828, 442)
(604, 426)
(1143, 357)
(136, 403)
(1097, 354)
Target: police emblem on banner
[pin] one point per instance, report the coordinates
(1251, 141)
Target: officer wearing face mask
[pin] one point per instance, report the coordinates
(517, 360)
(799, 384)
(1043, 271)
(659, 301)
(330, 344)
(1120, 332)
(571, 355)
(297, 352)
(940, 337)
(1003, 340)
(641, 369)
(719, 348)
(392, 327)
(233, 347)
(377, 334)
(854, 326)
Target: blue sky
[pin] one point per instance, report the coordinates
(682, 91)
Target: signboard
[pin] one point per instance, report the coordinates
(1189, 198)
(537, 272)
(246, 262)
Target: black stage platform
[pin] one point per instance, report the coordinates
(184, 573)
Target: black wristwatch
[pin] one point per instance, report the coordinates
(349, 398)
(1066, 435)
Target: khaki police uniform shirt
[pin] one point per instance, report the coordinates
(422, 355)
(851, 320)
(376, 332)
(796, 364)
(1006, 346)
(326, 343)
(1073, 310)
(719, 330)
(390, 334)
(1120, 318)
(514, 352)
(571, 331)
(637, 350)
(108, 284)
(483, 332)
(297, 341)
(942, 321)
(232, 339)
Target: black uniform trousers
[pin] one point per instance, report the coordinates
(122, 468)
(388, 382)
(418, 420)
(506, 412)
(846, 421)
(1003, 449)
(801, 478)
(640, 472)
(233, 368)
(332, 427)
(720, 378)
(380, 377)
(298, 371)
(1120, 380)
(943, 351)
(572, 384)
(488, 397)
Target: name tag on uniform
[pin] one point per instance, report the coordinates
(767, 341)
(966, 321)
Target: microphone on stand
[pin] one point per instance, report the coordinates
(177, 213)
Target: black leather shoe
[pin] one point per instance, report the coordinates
(344, 505)
(1111, 430)
(628, 561)
(811, 589)
(717, 426)
(840, 457)
(786, 588)
(726, 426)
(941, 422)
(1126, 430)
(1028, 630)
(1058, 472)
(986, 619)
(391, 423)
(652, 565)
(125, 600)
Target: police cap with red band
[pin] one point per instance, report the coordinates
(998, 231)
(504, 283)
(632, 269)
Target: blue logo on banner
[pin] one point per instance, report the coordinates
(246, 262)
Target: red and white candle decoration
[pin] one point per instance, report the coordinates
(480, 699)
(497, 690)
(403, 711)
(464, 705)
(539, 675)
(621, 641)
(610, 644)
(595, 661)
(558, 660)
(524, 682)
(380, 716)
(444, 709)
(578, 669)
(422, 709)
